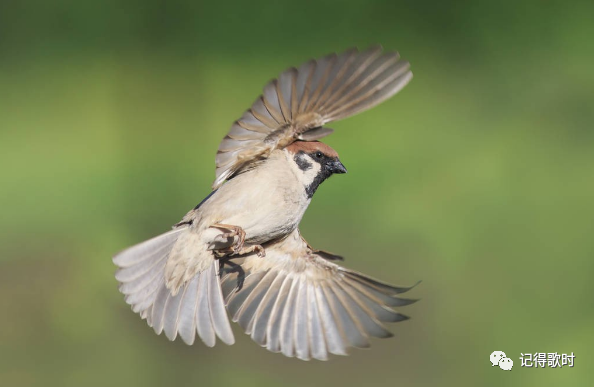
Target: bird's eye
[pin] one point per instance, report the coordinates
(319, 155)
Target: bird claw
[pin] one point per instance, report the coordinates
(250, 249)
(237, 248)
(260, 252)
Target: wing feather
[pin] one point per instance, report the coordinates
(296, 302)
(260, 111)
(270, 99)
(250, 122)
(247, 312)
(283, 91)
(301, 331)
(304, 80)
(336, 76)
(304, 99)
(274, 324)
(238, 132)
(353, 332)
(287, 322)
(333, 332)
(263, 314)
(317, 340)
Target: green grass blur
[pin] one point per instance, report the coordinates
(478, 178)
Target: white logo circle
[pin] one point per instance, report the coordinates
(496, 357)
(506, 364)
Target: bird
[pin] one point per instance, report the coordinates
(240, 252)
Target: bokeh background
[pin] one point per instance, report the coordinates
(478, 179)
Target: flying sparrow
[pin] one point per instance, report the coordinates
(288, 296)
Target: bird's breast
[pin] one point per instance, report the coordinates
(265, 205)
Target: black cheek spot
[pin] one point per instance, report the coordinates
(303, 164)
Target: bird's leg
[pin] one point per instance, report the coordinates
(237, 247)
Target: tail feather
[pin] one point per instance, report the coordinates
(187, 316)
(218, 313)
(197, 308)
(147, 249)
(203, 319)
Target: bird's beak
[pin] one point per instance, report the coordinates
(337, 167)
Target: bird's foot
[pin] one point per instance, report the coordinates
(238, 247)
(232, 232)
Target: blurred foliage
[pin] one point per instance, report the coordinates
(477, 179)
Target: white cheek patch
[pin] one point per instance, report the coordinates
(306, 167)
(311, 173)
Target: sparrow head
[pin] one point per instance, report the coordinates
(314, 162)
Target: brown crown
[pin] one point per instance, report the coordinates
(310, 147)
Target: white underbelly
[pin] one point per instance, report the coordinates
(266, 204)
(268, 222)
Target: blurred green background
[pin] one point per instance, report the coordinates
(478, 178)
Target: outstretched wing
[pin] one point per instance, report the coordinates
(296, 302)
(300, 101)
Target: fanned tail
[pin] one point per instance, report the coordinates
(197, 308)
